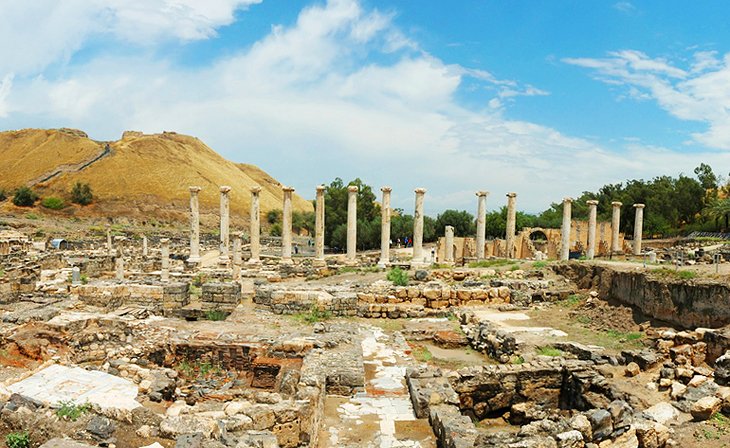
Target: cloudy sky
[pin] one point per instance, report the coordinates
(547, 99)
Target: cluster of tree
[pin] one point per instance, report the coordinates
(673, 205)
(25, 197)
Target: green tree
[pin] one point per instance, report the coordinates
(463, 222)
(81, 194)
(336, 197)
(24, 197)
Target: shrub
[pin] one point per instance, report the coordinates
(17, 440)
(72, 411)
(215, 315)
(53, 203)
(3, 195)
(81, 194)
(549, 351)
(398, 276)
(24, 197)
(314, 315)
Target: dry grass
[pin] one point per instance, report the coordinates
(153, 170)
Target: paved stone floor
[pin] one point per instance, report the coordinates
(382, 416)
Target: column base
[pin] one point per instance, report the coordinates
(383, 263)
(351, 263)
(253, 262)
(193, 260)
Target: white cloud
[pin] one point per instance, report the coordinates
(625, 7)
(306, 103)
(700, 94)
(38, 33)
(5, 86)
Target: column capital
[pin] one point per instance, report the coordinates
(420, 190)
(194, 189)
(482, 193)
(287, 189)
(353, 189)
(225, 189)
(164, 240)
(592, 202)
(616, 204)
(511, 195)
(567, 199)
(639, 205)
(255, 189)
(321, 188)
(386, 189)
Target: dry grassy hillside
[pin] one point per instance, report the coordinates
(140, 175)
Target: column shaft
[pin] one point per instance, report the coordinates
(319, 225)
(481, 222)
(638, 228)
(165, 254)
(255, 225)
(511, 224)
(592, 211)
(225, 241)
(449, 242)
(565, 229)
(286, 237)
(385, 227)
(194, 225)
(418, 226)
(615, 224)
(351, 223)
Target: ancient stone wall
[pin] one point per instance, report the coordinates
(220, 296)
(682, 303)
(162, 299)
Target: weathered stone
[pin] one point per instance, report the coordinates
(570, 439)
(632, 369)
(703, 408)
(100, 427)
(600, 423)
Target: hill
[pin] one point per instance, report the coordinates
(138, 176)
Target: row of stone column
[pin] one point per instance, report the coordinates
(615, 223)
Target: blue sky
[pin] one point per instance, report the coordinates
(546, 99)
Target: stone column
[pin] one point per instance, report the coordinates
(119, 260)
(109, 246)
(449, 242)
(385, 228)
(75, 275)
(225, 200)
(592, 210)
(615, 224)
(237, 256)
(481, 222)
(145, 251)
(319, 227)
(565, 229)
(255, 226)
(511, 223)
(165, 255)
(194, 225)
(286, 238)
(638, 227)
(351, 223)
(418, 227)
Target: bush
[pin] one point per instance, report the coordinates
(72, 411)
(398, 276)
(215, 315)
(17, 440)
(53, 203)
(81, 194)
(3, 195)
(24, 197)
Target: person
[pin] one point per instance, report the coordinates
(296, 249)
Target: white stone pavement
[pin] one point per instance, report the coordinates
(385, 400)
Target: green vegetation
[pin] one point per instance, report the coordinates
(24, 197)
(498, 262)
(620, 336)
(422, 353)
(518, 360)
(3, 195)
(200, 369)
(17, 440)
(84, 279)
(673, 273)
(198, 280)
(32, 216)
(72, 411)
(215, 315)
(81, 194)
(539, 264)
(313, 316)
(398, 276)
(572, 301)
(548, 351)
(463, 222)
(53, 203)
